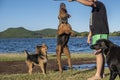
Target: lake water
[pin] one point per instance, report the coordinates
(76, 45)
(83, 66)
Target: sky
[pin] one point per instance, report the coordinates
(41, 14)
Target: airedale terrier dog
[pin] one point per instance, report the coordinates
(64, 33)
(38, 59)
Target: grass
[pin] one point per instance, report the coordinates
(12, 57)
(51, 75)
(22, 56)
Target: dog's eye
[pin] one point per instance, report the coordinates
(96, 44)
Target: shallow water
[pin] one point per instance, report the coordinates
(82, 66)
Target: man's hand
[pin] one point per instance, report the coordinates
(71, 0)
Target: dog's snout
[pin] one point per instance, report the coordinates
(92, 46)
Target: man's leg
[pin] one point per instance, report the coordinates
(100, 61)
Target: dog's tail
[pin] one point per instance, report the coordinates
(26, 52)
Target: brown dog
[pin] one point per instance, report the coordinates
(39, 59)
(64, 32)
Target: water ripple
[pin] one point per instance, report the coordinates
(20, 44)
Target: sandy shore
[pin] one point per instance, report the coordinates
(16, 67)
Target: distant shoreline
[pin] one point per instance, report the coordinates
(21, 32)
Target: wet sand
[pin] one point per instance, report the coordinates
(18, 67)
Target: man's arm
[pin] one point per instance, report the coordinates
(89, 37)
(84, 2)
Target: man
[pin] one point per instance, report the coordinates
(98, 30)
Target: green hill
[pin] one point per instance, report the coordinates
(16, 33)
(48, 32)
(21, 32)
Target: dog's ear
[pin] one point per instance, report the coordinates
(110, 44)
(105, 47)
(38, 49)
(38, 46)
(44, 45)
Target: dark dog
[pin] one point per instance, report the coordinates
(64, 32)
(39, 59)
(112, 53)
